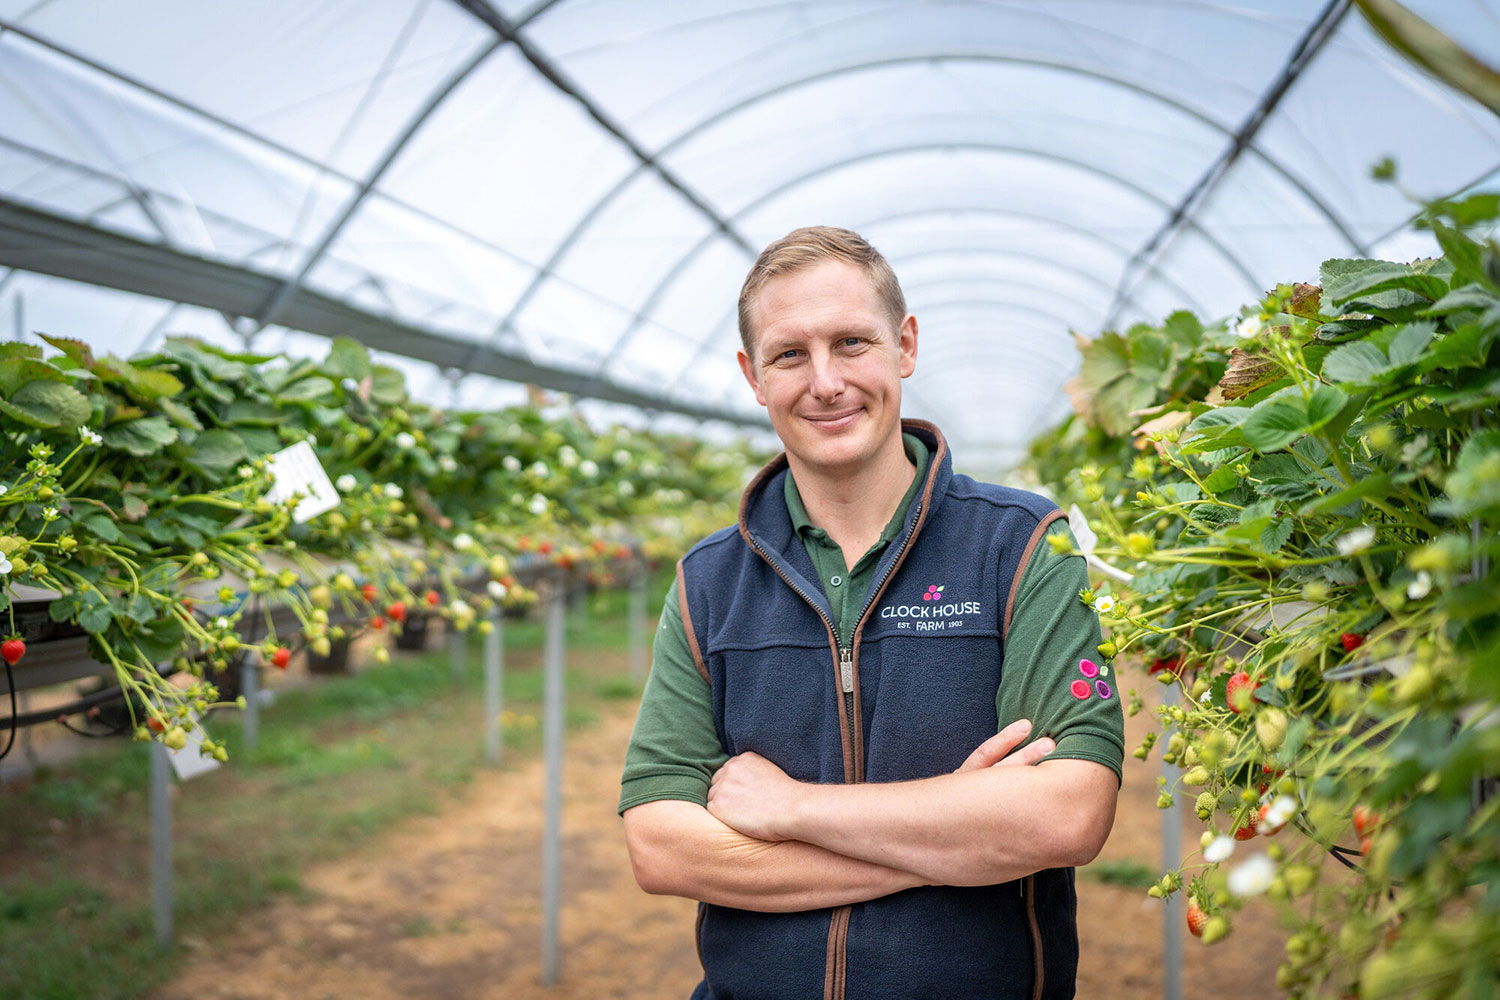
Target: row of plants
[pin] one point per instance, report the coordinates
(1295, 521)
(137, 498)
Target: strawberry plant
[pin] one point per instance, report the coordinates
(1294, 519)
(136, 492)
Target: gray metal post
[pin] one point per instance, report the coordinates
(1171, 856)
(637, 640)
(161, 842)
(552, 745)
(458, 649)
(250, 688)
(494, 694)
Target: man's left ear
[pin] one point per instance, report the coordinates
(907, 337)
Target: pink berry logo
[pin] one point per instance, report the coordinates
(933, 593)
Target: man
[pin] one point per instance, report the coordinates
(837, 677)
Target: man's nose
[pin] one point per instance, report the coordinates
(827, 376)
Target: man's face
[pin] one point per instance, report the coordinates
(828, 367)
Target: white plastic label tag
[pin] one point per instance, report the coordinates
(297, 470)
(189, 762)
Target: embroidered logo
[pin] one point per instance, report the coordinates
(1090, 669)
(933, 614)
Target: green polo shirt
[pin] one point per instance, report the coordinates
(674, 749)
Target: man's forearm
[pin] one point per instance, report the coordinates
(679, 849)
(977, 827)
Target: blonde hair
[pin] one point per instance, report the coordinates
(811, 245)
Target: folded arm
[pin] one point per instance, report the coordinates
(978, 826)
(682, 849)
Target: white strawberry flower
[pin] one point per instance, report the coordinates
(346, 483)
(4, 564)
(1218, 849)
(1253, 877)
(1104, 605)
(538, 504)
(50, 514)
(1420, 587)
(588, 468)
(4, 489)
(496, 589)
(1280, 812)
(540, 470)
(621, 456)
(221, 622)
(89, 436)
(245, 471)
(393, 491)
(405, 441)
(463, 541)
(626, 488)
(1355, 541)
(510, 463)
(568, 456)
(447, 463)
(460, 609)
(1249, 327)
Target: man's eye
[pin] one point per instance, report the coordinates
(788, 354)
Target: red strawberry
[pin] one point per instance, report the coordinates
(622, 551)
(598, 545)
(397, 611)
(377, 622)
(432, 597)
(545, 547)
(1196, 918)
(368, 590)
(1240, 681)
(1164, 663)
(13, 649)
(1351, 641)
(1365, 819)
(281, 657)
(1248, 830)
(523, 543)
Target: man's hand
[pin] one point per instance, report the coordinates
(750, 794)
(997, 750)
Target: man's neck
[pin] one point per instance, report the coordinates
(854, 507)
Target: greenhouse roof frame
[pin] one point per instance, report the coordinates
(1009, 97)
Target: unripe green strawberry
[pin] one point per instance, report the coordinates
(321, 646)
(1415, 686)
(321, 596)
(1215, 929)
(1164, 800)
(1203, 808)
(1107, 649)
(175, 738)
(1270, 726)
(1198, 776)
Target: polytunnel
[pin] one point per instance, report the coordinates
(568, 193)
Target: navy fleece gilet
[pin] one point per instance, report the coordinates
(922, 696)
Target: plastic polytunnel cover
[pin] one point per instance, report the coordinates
(569, 193)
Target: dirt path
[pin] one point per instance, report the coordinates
(449, 908)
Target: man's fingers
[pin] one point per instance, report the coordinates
(994, 749)
(1029, 754)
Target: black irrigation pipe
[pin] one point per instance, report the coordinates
(57, 713)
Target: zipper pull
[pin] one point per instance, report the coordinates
(846, 669)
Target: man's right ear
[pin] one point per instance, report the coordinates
(747, 367)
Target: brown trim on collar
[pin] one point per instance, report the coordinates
(1015, 581)
(770, 469)
(687, 626)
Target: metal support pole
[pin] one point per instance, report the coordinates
(250, 688)
(1171, 856)
(637, 640)
(494, 694)
(552, 745)
(161, 842)
(458, 650)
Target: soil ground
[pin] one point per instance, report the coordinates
(449, 907)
